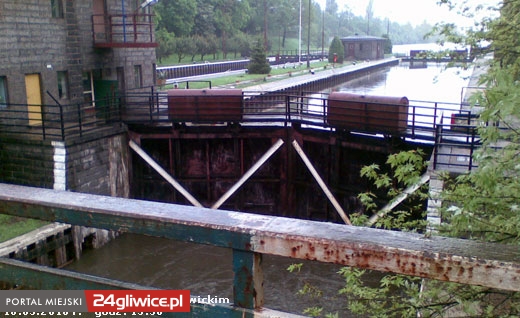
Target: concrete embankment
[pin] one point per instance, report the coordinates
(315, 81)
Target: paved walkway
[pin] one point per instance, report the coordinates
(289, 82)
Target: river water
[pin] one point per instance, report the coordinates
(207, 270)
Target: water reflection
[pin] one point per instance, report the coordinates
(436, 83)
(206, 270)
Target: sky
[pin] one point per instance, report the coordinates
(403, 11)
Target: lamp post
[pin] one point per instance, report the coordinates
(309, 37)
(300, 37)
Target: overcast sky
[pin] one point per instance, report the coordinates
(403, 11)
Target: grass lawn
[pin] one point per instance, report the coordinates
(11, 226)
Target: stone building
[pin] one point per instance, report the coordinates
(363, 47)
(61, 63)
(77, 51)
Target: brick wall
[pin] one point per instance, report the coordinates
(97, 166)
(27, 162)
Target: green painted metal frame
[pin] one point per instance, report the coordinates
(47, 278)
(250, 235)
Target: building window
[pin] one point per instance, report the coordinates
(3, 92)
(57, 9)
(63, 85)
(138, 76)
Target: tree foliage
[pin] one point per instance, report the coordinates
(483, 204)
(337, 50)
(227, 21)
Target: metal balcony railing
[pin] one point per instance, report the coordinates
(59, 122)
(123, 30)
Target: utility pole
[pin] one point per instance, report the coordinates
(265, 25)
(309, 38)
(322, 33)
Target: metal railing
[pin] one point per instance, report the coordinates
(442, 124)
(419, 119)
(123, 30)
(59, 122)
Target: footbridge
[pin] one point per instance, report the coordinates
(443, 125)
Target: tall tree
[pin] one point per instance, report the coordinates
(176, 16)
(369, 14)
(231, 16)
(336, 51)
(259, 64)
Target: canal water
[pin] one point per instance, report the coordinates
(434, 83)
(207, 270)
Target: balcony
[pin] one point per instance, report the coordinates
(123, 31)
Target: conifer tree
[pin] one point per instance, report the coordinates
(259, 63)
(336, 48)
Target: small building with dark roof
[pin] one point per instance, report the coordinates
(359, 47)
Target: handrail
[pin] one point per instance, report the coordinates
(250, 235)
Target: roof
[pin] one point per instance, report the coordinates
(361, 38)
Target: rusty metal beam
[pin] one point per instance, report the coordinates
(248, 286)
(248, 174)
(446, 259)
(321, 183)
(164, 174)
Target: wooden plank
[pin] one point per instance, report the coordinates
(321, 183)
(164, 173)
(400, 198)
(447, 259)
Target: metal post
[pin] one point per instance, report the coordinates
(124, 20)
(472, 149)
(300, 37)
(248, 291)
(309, 36)
(80, 121)
(321, 183)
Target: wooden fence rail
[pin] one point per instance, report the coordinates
(250, 236)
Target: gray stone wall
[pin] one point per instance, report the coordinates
(99, 166)
(26, 163)
(30, 40)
